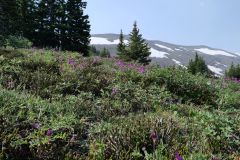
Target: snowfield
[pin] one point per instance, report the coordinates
(216, 70)
(104, 41)
(214, 52)
(158, 54)
(165, 47)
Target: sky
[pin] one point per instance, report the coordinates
(215, 23)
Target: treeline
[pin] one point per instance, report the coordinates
(234, 71)
(59, 24)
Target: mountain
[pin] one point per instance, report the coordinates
(167, 54)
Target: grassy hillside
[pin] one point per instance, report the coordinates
(59, 105)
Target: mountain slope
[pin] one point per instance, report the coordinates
(167, 54)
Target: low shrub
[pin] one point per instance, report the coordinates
(131, 136)
(18, 42)
(35, 129)
(220, 128)
(10, 54)
(195, 89)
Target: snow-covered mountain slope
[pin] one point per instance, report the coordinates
(167, 54)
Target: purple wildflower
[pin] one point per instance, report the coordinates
(95, 60)
(35, 125)
(153, 136)
(130, 65)
(114, 91)
(120, 63)
(141, 69)
(10, 84)
(178, 157)
(82, 66)
(71, 61)
(49, 132)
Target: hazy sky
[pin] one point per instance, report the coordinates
(215, 23)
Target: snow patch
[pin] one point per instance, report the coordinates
(176, 49)
(104, 41)
(158, 54)
(215, 70)
(220, 64)
(237, 54)
(183, 48)
(214, 52)
(165, 47)
(176, 61)
(179, 63)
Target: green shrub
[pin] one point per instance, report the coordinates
(103, 108)
(38, 77)
(90, 79)
(219, 130)
(35, 129)
(10, 54)
(195, 89)
(18, 42)
(127, 135)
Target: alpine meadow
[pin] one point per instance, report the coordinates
(70, 93)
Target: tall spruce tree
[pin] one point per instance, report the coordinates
(10, 17)
(46, 29)
(78, 27)
(47, 23)
(138, 49)
(28, 15)
(61, 23)
(121, 47)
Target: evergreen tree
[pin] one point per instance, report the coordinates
(230, 71)
(28, 18)
(47, 23)
(10, 17)
(191, 67)
(93, 51)
(234, 71)
(46, 28)
(138, 49)
(78, 27)
(121, 47)
(198, 65)
(61, 23)
(104, 53)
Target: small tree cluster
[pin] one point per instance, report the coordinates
(198, 65)
(137, 49)
(105, 53)
(59, 24)
(93, 51)
(234, 71)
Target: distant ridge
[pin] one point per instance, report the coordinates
(167, 54)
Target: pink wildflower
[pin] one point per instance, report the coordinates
(178, 157)
(49, 132)
(141, 69)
